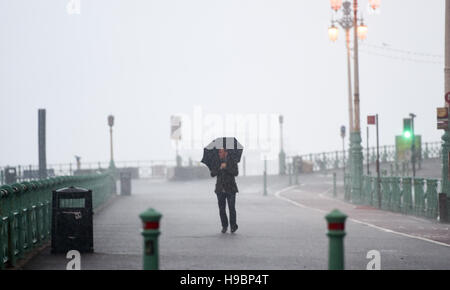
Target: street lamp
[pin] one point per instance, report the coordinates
(445, 185)
(333, 33)
(336, 4)
(111, 124)
(282, 155)
(374, 4)
(343, 146)
(362, 31)
(347, 22)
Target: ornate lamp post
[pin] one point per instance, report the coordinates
(446, 136)
(111, 124)
(347, 22)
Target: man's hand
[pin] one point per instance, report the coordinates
(223, 165)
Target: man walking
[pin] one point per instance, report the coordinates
(226, 189)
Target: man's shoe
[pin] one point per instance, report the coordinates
(233, 229)
(224, 230)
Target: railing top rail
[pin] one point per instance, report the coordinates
(339, 151)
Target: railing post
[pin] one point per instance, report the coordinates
(406, 193)
(290, 173)
(334, 185)
(419, 200)
(368, 189)
(384, 158)
(336, 162)
(323, 165)
(432, 198)
(336, 234)
(396, 194)
(150, 222)
(348, 188)
(385, 193)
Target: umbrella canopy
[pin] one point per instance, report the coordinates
(211, 152)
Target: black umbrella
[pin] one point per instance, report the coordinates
(211, 152)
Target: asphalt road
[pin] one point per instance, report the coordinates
(275, 232)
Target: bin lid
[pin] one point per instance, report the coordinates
(72, 189)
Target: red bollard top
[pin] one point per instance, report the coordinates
(150, 219)
(336, 220)
(151, 225)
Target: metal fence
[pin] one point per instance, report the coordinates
(335, 159)
(26, 211)
(405, 195)
(145, 169)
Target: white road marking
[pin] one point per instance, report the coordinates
(279, 196)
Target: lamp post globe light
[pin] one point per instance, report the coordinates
(362, 31)
(333, 32)
(336, 4)
(348, 20)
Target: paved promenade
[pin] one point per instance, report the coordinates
(284, 230)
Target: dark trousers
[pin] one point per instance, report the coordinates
(223, 198)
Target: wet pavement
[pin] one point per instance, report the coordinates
(284, 230)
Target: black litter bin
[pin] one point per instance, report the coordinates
(72, 227)
(125, 183)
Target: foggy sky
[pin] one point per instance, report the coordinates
(143, 61)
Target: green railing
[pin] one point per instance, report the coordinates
(26, 211)
(335, 159)
(405, 195)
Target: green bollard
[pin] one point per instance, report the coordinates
(336, 234)
(334, 185)
(150, 222)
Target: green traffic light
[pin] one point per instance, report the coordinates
(407, 128)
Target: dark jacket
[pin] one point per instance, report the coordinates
(225, 177)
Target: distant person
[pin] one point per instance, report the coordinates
(226, 189)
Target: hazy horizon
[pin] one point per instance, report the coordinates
(143, 61)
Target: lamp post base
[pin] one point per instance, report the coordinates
(445, 166)
(356, 166)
